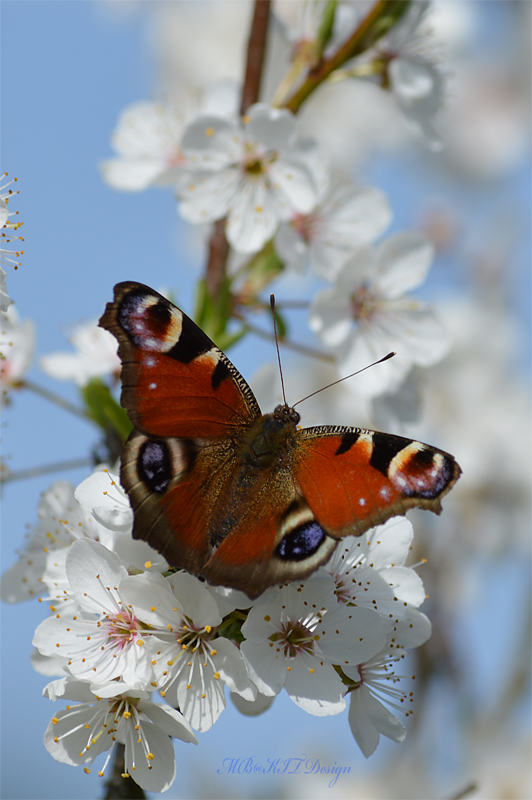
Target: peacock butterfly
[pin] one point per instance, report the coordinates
(240, 498)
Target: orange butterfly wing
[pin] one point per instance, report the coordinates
(354, 479)
(175, 381)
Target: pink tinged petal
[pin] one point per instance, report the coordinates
(403, 262)
(169, 720)
(351, 635)
(252, 708)
(195, 599)
(94, 574)
(132, 175)
(212, 143)
(313, 686)
(390, 543)
(330, 316)
(368, 719)
(207, 197)
(274, 128)
(253, 216)
(266, 666)
(293, 183)
(407, 585)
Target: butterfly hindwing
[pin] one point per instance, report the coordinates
(209, 514)
(175, 381)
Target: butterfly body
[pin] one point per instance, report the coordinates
(241, 498)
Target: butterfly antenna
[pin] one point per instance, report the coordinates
(340, 380)
(272, 304)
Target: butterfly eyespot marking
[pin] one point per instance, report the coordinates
(301, 542)
(154, 465)
(151, 323)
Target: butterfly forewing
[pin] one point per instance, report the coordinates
(175, 381)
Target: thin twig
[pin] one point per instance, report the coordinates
(55, 398)
(467, 790)
(300, 348)
(45, 469)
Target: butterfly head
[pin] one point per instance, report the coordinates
(286, 414)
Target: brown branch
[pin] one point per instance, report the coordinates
(255, 56)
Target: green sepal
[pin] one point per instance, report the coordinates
(261, 270)
(326, 27)
(104, 410)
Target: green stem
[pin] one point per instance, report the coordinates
(380, 19)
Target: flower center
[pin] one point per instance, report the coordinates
(294, 638)
(123, 628)
(364, 304)
(306, 225)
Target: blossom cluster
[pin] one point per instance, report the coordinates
(143, 652)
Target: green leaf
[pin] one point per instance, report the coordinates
(104, 409)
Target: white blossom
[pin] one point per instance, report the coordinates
(256, 173)
(296, 633)
(192, 664)
(96, 355)
(79, 733)
(375, 683)
(369, 570)
(17, 342)
(8, 257)
(103, 640)
(344, 218)
(414, 78)
(148, 135)
(367, 314)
